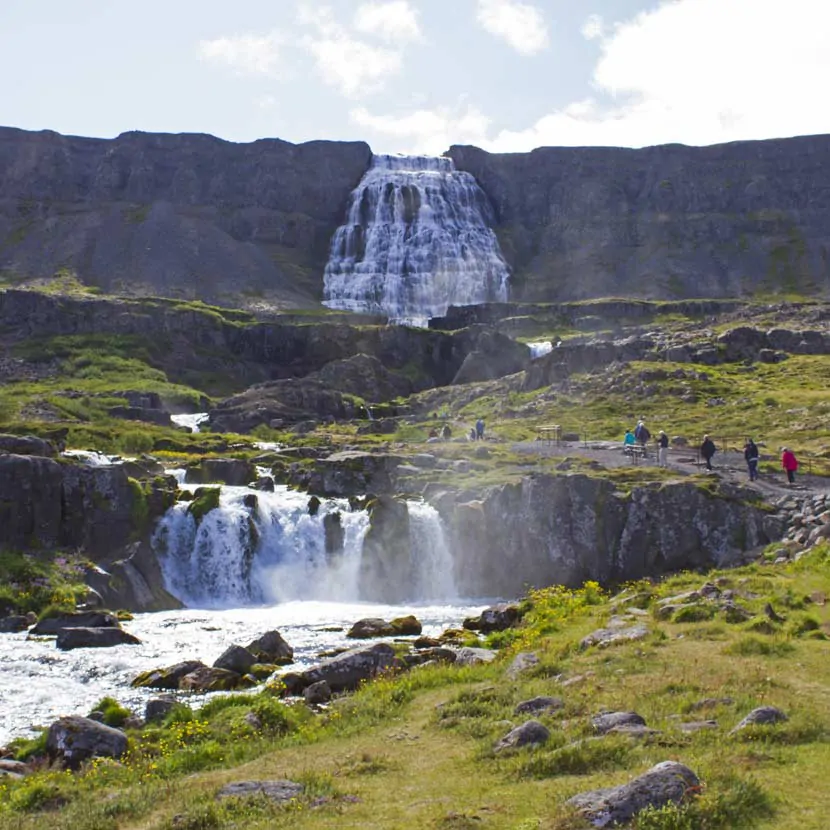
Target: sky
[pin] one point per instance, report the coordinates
(417, 76)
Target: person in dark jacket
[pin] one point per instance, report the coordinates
(707, 450)
(642, 434)
(662, 449)
(751, 456)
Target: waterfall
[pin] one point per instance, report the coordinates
(434, 570)
(275, 551)
(540, 348)
(417, 239)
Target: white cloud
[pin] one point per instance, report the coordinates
(593, 27)
(247, 54)
(351, 65)
(520, 24)
(426, 131)
(699, 72)
(394, 21)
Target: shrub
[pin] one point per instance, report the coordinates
(114, 713)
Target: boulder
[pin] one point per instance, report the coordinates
(469, 656)
(346, 671)
(409, 626)
(523, 662)
(167, 678)
(611, 720)
(605, 637)
(667, 783)
(370, 627)
(279, 792)
(317, 693)
(210, 679)
(13, 624)
(235, 659)
(264, 484)
(530, 733)
(73, 740)
(272, 648)
(497, 618)
(539, 704)
(13, 769)
(81, 619)
(762, 716)
(71, 638)
(158, 708)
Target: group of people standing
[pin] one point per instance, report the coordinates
(641, 435)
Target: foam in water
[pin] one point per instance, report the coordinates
(417, 239)
(277, 552)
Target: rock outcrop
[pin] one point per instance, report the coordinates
(44, 503)
(666, 222)
(567, 529)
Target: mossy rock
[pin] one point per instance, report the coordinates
(262, 671)
(694, 613)
(205, 499)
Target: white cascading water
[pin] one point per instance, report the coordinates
(540, 348)
(417, 239)
(276, 552)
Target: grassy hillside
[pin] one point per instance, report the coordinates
(416, 749)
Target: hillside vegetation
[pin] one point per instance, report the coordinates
(416, 749)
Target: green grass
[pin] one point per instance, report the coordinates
(416, 749)
(35, 580)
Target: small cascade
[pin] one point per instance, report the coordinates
(192, 421)
(91, 458)
(540, 348)
(417, 239)
(277, 550)
(434, 574)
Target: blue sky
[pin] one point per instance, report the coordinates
(419, 75)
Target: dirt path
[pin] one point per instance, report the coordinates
(729, 465)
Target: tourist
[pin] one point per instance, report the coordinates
(433, 433)
(629, 440)
(707, 450)
(446, 432)
(472, 435)
(480, 429)
(751, 456)
(642, 435)
(790, 463)
(663, 450)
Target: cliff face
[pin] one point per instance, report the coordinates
(175, 215)
(661, 222)
(567, 529)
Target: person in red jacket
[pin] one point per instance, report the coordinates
(790, 463)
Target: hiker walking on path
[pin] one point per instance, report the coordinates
(642, 435)
(790, 463)
(480, 429)
(663, 450)
(707, 450)
(751, 455)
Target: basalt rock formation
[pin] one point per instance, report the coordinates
(667, 221)
(570, 528)
(175, 215)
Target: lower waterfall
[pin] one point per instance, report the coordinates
(260, 548)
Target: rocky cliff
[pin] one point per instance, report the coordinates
(662, 222)
(175, 215)
(566, 529)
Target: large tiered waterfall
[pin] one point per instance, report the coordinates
(267, 548)
(417, 239)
